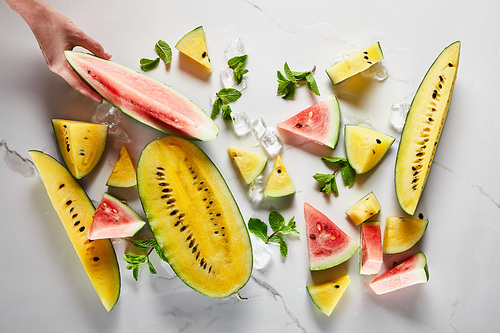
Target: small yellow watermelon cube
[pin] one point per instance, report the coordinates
(364, 209)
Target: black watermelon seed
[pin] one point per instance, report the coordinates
(204, 54)
(81, 229)
(337, 286)
(61, 186)
(420, 216)
(76, 223)
(96, 259)
(312, 236)
(68, 202)
(183, 228)
(378, 141)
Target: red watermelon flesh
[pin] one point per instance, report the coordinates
(319, 123)
(411, 271)
(371, 248)
(114, 219)
(328, 245)
(143, 98)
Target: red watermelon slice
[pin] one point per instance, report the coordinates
(371, 259)
(319, 123)
(114, 219)
(143, 98)
(328, 245)
(411, 271)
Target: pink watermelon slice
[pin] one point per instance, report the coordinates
(319, 123)
(411, 271)
(328, 245)
(143, 98)
(371, 248)
(114, 219)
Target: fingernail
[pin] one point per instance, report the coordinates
(107, 54)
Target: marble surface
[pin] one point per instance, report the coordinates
(45, 289)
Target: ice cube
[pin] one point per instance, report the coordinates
(377, 72)
(261, 254)
(258, 128)
(398, 115)
(227, 79)
(166, 271)
(107, 114)
(235, 48)
(271, 142)
(256, 189)
(241, 123)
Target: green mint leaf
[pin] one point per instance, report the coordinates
(238, 73)
(164, 51)
(327, 188)
(334, 187)
(313, 86)
(229, 95)
(258, 228)
(289, 91)
(276, 221)
(289, 73)
(236, 61)
(152, 270)
(290, 228)
(144, 244)
(334, 160)
(281, 77)
(323, 177)
(300, 75)
(348, 174)
(282, 87)
(216, 108)
(148, 64)
(277, 239)
(226, 112)
(135, 272)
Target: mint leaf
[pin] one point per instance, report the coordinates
(313, 86)
(258, 228)
(289, 73)
(236, 64)
(323, 177)
(348, 174)
(148, 64)
(160, 253)
(164, 51)
(290, 228)
(276, 221)
(152, 270)
(144, 244)
(334, 160)
(226, 112)
(216, 108)
(229, 95)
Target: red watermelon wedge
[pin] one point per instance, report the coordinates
(411, 271)
(143, 98)
(371, 257)
(319, 123)
(328, 245)
(114, 219)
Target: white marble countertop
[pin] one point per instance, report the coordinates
(44, 287)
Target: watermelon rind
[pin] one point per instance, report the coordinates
(126, 224)
(182, 117)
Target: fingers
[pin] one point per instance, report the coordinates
(76, 83)
(92, 45)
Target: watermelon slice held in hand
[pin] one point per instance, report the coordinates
(319, 123)
(114, 219)
(328, 245)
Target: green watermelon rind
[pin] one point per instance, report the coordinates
(124, 209)
(210, 130)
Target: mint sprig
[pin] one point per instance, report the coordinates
(149, 64)
(134, 261)
(328, 180)
(287, 83)
(279, 227)
(224, 97)
(236, 64)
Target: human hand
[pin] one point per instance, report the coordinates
(55, 33)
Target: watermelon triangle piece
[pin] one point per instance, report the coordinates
(319, 123)
(411, 271)
(326, 295)
(328, 245)
(114, 219)
(123, 173)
